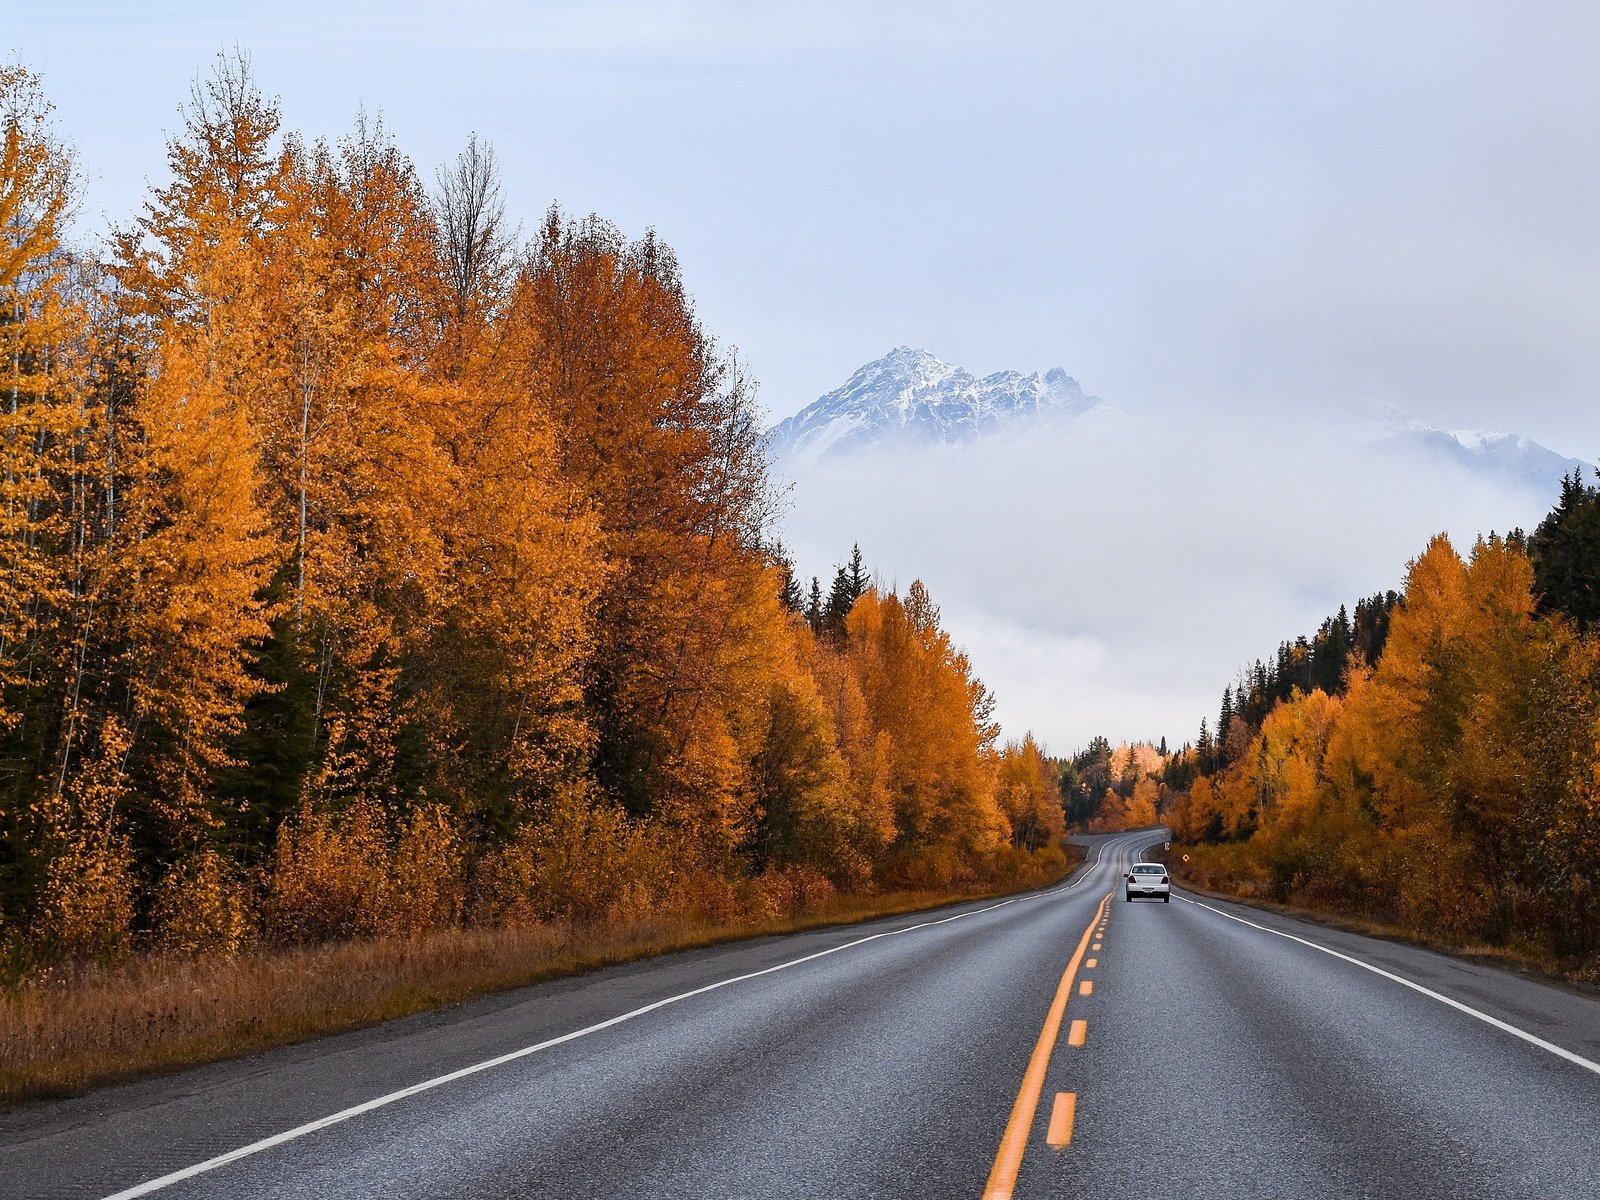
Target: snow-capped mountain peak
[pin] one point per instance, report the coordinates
(1510, 456)
(909, 394)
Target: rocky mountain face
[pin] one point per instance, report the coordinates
(909, 394)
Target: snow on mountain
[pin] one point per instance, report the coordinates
(1504, 454)
(911, 395)
(1508, 456)
(909, 398)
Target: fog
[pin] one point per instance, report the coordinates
(1112, 575)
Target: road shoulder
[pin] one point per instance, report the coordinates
(1565, 1014)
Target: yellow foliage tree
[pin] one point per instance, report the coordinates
(921, 693)
(1027, 795)
(42, 329)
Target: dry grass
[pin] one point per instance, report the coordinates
(89, 1026)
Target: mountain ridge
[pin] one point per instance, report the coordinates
(909, 393)
(910, 396)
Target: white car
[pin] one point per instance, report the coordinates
(1148, 879)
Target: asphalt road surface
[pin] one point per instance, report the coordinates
(1061, 1044)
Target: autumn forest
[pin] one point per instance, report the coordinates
(1433, 765)
(370, 569)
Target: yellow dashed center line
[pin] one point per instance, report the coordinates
(1008, 1159)
(1086, 987)
(1089, 966)
(1061, 1114)
(1078, 1033)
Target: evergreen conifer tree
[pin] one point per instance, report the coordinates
(1330, 650)
(789, 591)
(841, 600)
(1565, 549)
(857, 574)
(1259, 692)
(1224, 720)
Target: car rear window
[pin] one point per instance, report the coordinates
(1143, 870)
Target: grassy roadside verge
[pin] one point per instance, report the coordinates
(156, 1014)
(1584, 978)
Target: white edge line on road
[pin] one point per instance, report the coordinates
(300, 1131)
(1559, 1051)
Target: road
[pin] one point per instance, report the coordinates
(1205, 1054)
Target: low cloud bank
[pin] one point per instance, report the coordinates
(1112, 575)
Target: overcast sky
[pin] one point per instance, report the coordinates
(1213, 209)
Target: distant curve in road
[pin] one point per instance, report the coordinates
(1063, 1043)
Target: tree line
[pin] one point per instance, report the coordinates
(1446, 778)
(367, 568)
(1107, 789)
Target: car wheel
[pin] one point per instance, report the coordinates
(1166, 899)
(1128, 896)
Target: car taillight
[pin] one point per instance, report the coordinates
(1163, 879)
